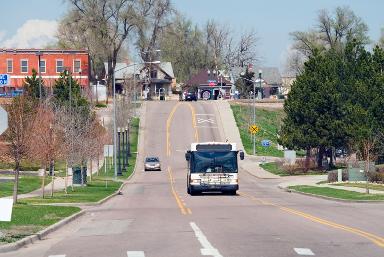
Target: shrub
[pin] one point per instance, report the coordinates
(376, 176)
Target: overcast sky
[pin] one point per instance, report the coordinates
(32, 24)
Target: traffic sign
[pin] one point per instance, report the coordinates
(4, 79)
(253, 129)
(3, 120)
(266, 143)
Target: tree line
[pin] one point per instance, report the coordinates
(336, 101)
(107, 29)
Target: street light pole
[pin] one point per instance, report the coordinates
(254, 117)
(114, 126)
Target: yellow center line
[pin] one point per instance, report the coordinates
(169, 120)
(182, 207)
(374, 238)
(194, 122)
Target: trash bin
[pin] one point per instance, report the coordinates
(76, 176)
(162, 97)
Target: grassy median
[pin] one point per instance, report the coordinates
(336, 193)
(269, 122)
(29, 219)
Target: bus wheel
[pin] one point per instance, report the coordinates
(188, 190)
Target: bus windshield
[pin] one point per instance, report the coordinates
(214, 162)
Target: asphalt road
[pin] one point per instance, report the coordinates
(155, 217)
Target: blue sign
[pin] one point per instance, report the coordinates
(4, 79)
(266, 143)
(211, 81)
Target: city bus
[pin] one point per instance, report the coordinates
(213, 167)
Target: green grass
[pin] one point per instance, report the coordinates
(27, 165)
(29, 219)
(94, 191)
(101, 105)
(134, 135)
(269, 122)
(362, 185)
(26, 184)
(337, 193)
(274, 168)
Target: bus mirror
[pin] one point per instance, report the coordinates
(241, 155)
(187, 155)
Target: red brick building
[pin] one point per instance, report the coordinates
(18, 63)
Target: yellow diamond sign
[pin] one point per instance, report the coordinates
(253, 129)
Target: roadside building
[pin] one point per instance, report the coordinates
(151, 79)
(210, 85)
(271, 82)
(288, 80)
(18, 64)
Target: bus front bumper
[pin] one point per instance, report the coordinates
(214, 188)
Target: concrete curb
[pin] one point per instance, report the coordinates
(328, 197)
(39, 235)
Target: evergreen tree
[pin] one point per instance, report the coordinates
(32, 86)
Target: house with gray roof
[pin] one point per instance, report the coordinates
(154, 79)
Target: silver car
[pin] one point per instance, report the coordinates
(152, 163)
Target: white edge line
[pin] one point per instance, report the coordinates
(135, 254)
(207, 249)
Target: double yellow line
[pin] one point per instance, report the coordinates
(169, 121)
(180, 203)
(374, 238)
(183, 209)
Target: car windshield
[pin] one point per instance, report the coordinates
(152, 159)
(214, 162)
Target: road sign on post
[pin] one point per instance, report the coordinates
(3, 120)
(4, 79)
(266, 143)
(253, 129)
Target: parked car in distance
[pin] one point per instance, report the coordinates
(190, 96)
(152, 163)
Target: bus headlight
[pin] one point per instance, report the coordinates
(195, 181)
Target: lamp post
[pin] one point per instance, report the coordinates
(254, 117)
(260, 96)
(119, 153)
(39, 54)
(97, 83)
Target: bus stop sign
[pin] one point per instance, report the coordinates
(3, 120)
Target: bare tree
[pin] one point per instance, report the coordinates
(156, 19)
(17, 135)
(45, 144)
(331, 31)
(111, 22)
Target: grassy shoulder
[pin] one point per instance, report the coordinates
(26, 184)
(269, 121)
(93, 192)
(29, 219)
(378, 187)
(336, 193)
(276, 168)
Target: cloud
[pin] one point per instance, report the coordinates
(32, 34)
